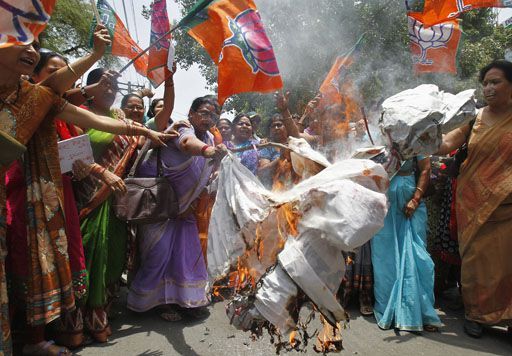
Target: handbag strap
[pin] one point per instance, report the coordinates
(142, 153)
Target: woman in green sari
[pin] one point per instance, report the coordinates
(104, 236)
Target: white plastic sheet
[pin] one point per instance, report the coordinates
(415, 119)
(342, 207)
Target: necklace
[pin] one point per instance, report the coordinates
(8, 99)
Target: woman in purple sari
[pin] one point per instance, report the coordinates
(172, 275)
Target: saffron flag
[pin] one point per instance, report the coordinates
(438, 11)
(338, 87)
(336, 79)
(22, 21)
(232, 33)
(161, 54)
(434, 49)
(122, 43)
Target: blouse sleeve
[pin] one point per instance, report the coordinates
(47, 97)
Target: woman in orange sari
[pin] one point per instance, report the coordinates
(26, 116)
(484, 204)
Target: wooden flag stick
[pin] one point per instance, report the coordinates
(96, 12)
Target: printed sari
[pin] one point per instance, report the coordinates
(104, 235)
(49, 288)
(484, 216)
(17, 264)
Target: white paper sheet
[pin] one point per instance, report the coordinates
(76, 148)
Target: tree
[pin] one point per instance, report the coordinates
(308, 35)
(68, 31)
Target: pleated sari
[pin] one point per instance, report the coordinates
(484, 215)
(403, 270)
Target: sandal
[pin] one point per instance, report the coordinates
(473, 329)
(71, 330)
(97, 325)
(169, 313)
(366, 310)
(430, 328)
(197, 313)
(45, 348)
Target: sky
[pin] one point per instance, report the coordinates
(189, 84)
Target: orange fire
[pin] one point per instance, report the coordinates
(329, 339)
(292, 339)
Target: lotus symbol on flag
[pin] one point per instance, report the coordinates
(433, 37)
(249, 36)
(13, 19)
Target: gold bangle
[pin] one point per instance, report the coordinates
(72, 70)
(421, 190)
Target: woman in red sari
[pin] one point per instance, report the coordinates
(27, 113)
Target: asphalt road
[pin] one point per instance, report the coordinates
(147, 334)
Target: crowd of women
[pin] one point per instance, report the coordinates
(63, 251)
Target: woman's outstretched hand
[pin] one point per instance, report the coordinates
(159, 138)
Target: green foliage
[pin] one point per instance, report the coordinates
(308, 35)
(69, 29)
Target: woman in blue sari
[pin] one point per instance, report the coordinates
(403, 269)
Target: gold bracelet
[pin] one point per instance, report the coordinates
(421, 190)
(72, 70)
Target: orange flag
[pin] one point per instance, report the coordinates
(232, 33)
(437, 11)
(338, 88)
(123, 44)
(22, 21)
(434, 49)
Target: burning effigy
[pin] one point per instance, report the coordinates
(280, 249)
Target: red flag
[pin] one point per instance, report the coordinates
(22, 21)
(437, 11)
(159, 54)
(434, 49)
(232, 33)
(122, 43)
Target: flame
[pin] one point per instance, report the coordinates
(329, 339)
(284, 176)
(292, 339)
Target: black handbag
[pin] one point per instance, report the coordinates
(147, 200)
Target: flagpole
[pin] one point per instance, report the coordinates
(195, 10)
(149, 47)
(96, 12)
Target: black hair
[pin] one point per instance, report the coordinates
(276, 116)
(127, 97)
(94, 75)
(238, 117)
(45, 58)
(152, 106)
(223, 119)
(202, 100)
(501, 64)
(215, 103)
